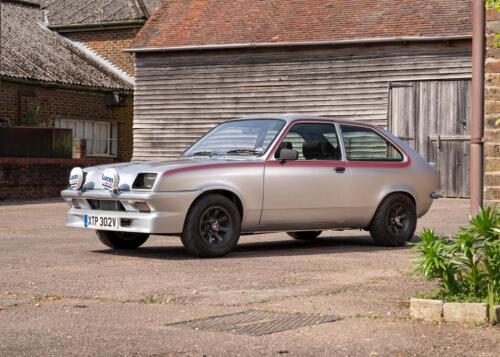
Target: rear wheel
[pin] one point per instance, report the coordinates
(212, 227)
(395, 221)
(122, 240)
(306, 235)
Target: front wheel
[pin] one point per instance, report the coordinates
(212, 227)
(395, 221)
(304, 235)
(122, 240)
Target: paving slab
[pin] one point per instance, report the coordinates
(426, 309)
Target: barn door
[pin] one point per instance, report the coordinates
(434, 118)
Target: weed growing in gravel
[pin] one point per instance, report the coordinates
(466, 266)
(158, 300)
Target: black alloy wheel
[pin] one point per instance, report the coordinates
(212, 227)
(395, 221)
(122, 240)
(216, 226)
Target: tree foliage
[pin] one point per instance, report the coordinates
(493, 3)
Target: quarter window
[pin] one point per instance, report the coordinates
(313, 141)
(365, 144)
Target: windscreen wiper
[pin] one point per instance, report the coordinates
(203, 153)
(245, 151)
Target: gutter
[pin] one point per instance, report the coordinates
(301, 43)
(477, 125)
(58, 85)
(98, 26)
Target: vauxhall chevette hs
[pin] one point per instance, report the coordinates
(296, 174)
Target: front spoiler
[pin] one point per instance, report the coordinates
(168, 210)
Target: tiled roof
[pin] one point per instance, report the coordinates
(81, 12)
(179, 23)
(33, 52)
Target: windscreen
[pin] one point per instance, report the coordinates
(239, 137)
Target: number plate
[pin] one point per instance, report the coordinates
(100, 222)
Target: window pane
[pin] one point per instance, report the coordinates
(364, 144)
(313, 141)
(114, 139)
(80, 129)
(102, 138)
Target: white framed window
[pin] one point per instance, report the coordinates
(101, 136)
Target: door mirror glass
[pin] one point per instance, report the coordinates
(288, 154)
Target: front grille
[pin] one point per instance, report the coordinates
(106, 205)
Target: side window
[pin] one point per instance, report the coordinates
(313, 141)
(365, 144)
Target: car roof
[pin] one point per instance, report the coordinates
(312, 117)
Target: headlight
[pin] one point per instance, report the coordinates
(144, 181)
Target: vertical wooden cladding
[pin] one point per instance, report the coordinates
(179, 96)
(434, 117)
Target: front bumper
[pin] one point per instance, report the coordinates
(168, 210)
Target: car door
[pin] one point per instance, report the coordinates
(310, 192)
(376, 165)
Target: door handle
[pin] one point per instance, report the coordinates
(340, 170)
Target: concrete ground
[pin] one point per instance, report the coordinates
(62, 293)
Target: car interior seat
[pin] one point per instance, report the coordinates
(319, 150)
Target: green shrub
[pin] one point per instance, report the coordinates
(467, 266)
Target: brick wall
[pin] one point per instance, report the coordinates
(38, 178)
(20, 102)
(492, 108)
(110, 44)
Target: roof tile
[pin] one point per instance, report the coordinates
(31, 51)
(179, 23)
(81, 12)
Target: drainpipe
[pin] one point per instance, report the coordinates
(477, 130)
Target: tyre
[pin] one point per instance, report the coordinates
(395, 221)
(212, 227)
(306, 235)
(122, 240)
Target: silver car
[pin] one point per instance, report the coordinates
(296, 174)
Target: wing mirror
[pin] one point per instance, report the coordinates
(288, 154)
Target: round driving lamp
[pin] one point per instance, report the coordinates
(110, 180)
(76, 178)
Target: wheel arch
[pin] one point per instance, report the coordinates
(223, 191)
(398, 189)
(404, 191)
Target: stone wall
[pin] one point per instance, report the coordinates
(492, 108)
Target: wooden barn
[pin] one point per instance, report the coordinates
(405, 65)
